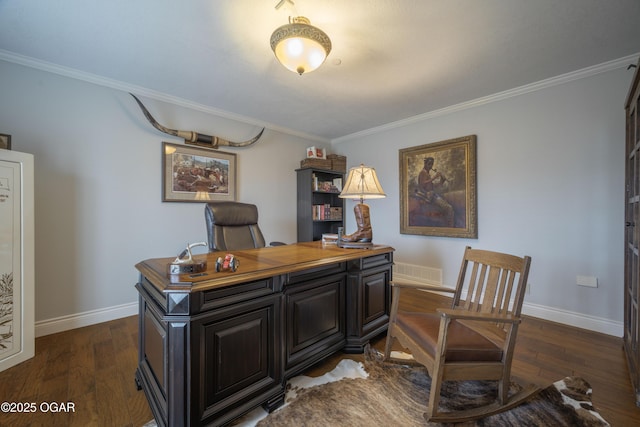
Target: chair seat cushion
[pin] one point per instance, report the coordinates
(463, 344)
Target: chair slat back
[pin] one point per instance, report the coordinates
(491, 282)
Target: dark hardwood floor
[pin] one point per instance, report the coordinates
(93, 368)
(547, 352)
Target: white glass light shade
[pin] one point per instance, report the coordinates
(362, 183)
(299, 46)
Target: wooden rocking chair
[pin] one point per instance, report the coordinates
(475, 338)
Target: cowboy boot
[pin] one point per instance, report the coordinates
(363, 221)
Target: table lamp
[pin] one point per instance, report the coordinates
(362, 183)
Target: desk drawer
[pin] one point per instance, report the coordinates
(371, 261)
(220, 297)
(315, 273)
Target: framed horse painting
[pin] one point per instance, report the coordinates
(193, 174)
(438, 189)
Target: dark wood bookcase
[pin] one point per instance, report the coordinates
(632, 235)
(313, 194)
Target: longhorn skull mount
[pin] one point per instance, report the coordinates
(195, 138)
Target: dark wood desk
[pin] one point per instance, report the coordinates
(216, 345)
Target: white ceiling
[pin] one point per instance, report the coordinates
(391, 59)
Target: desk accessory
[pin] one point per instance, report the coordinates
(182, 265)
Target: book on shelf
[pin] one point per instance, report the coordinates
(321, 212)
(326, 212)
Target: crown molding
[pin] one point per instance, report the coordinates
(148, 93)
(543, 84)
(163, 97)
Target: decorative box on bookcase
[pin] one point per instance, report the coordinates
(320, 210)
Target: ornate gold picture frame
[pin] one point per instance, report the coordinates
(438, 189)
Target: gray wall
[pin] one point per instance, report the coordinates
(98, 185)
(550, 185)
(550, 175)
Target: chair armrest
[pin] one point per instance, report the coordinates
(277, 244)
(487, 317)
(422, 286)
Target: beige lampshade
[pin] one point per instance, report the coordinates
(299, 46)
(362, 183)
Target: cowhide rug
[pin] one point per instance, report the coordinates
(377, 393)
(396, 395)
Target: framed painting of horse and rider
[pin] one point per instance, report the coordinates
(438, 189)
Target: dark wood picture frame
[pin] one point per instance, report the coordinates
(5, 141)
(197, 175)
(438, 189)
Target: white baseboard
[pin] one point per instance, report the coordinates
(571, 318)
(73, 321)
(578, 320)
(410, 273)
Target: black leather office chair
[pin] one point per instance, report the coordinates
(233, 226)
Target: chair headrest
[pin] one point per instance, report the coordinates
(232, 213)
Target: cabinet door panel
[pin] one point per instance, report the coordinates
(376, 296)
(241, 345)
(154, 346)
(236, 355)
(314, 318)
(369, 305)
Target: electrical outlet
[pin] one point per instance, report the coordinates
(588, 281)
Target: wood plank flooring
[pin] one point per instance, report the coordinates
(93, 368)
(547, 352)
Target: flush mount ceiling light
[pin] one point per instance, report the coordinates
(300, 46)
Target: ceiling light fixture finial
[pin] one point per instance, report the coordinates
(282, 2)
(300, 46)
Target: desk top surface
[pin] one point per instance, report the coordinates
(253, 264)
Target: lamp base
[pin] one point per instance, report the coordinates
(354, 245)
(362, 237)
